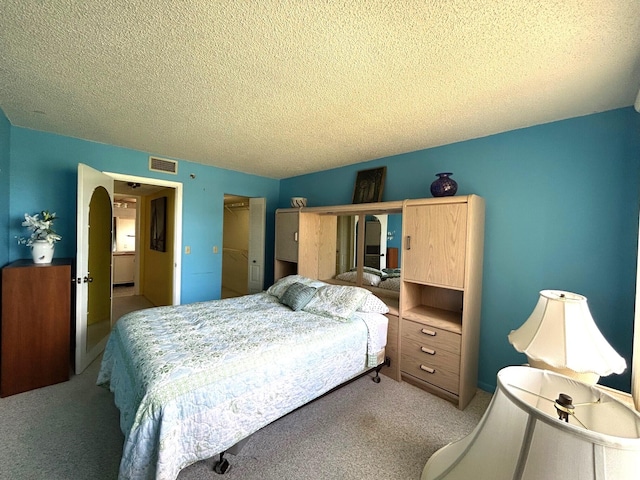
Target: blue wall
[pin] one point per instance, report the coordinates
(44, 176)
(562, 213)
(5, 129)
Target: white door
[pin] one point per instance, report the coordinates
(96, 186)
(257, 218)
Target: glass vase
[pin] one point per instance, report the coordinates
(444, 186)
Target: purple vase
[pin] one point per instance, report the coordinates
(444, 186)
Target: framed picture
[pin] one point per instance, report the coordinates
(158, 224)
(369, 185)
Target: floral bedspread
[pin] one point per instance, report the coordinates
(192, 380)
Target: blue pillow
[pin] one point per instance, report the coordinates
(297, 295)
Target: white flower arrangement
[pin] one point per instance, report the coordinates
(41, 228)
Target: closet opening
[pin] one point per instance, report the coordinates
(243, 240)
(235, 247)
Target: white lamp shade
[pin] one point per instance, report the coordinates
(521, 437)
(561, 332)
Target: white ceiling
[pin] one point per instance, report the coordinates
(282, 88)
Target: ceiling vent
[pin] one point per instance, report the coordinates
(163, 165)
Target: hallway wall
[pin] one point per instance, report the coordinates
(156, 267)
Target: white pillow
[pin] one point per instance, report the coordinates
(373, 304)
(337, 301)
(391, 284)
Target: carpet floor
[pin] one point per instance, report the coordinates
(364, 430)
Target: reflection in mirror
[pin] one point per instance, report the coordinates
(394, 240)
(383, 238)
(373, 249)
(346, 250)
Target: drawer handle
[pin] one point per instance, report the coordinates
(428, 350)
(295, 236)
(431, 333)
(427, 369)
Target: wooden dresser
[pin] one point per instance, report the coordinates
(36, 319)
(434, 329)
(440, 295)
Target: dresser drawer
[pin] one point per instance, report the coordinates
(433, 370)
(431, 337)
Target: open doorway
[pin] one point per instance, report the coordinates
(126, 251)
(235, 247)
(142, 275)
(242, 245)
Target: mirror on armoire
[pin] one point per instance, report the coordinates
(346, 244)
(383, 235)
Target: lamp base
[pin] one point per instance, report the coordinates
(588, 378)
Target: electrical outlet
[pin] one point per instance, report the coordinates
(187, 250)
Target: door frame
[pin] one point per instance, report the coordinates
(177, 233)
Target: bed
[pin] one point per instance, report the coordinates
(193, 380)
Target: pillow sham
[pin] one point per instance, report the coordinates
(297, 295)
(337, 301)
(391, 284)
(367, 278)
(278, 288)
(373, 304)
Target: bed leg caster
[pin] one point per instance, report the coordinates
(222, 466)
(387, 363)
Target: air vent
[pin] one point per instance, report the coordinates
(163, 165)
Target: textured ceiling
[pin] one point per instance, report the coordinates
(282, 88)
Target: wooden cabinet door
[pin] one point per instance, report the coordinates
(287, 224)
(434, 244)
(36, 321)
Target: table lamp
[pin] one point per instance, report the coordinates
(541, 425)
(560, 335)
